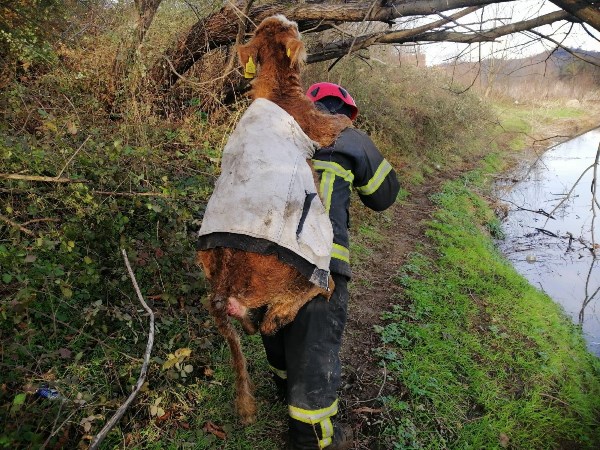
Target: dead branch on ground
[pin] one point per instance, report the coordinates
(119, 413)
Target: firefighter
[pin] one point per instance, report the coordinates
(304, 355)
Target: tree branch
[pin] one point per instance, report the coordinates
(114, 419)
(587, 11)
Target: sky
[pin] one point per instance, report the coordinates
(516, 45)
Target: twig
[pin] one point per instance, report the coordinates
(380, 389)
(594, 198)
(547, 233)
(17, 226)
(112, 422)
(72, 156)
(539, 211)
(568, 195)
(132, 194)
(16, 176)
(45, 219)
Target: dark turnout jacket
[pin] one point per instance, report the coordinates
(352, 162)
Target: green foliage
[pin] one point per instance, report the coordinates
(487, 360)
(25, 26)
(70, 317)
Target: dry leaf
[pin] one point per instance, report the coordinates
(503, 440)
(183, 353)
(212, 428)
(170, 362)
(64, 353)
(72, 128)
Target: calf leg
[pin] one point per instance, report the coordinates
(245, 402)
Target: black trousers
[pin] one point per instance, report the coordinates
(304, 357)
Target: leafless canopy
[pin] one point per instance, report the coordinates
(375, 22)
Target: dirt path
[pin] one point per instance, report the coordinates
(374, 291)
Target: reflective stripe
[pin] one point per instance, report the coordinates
(374, 183)
(326, 433)
(280, 373)
(340, 252)
(328, 166)
(326, 188)
(313, 416)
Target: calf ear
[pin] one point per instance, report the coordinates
(295, 51)
(247, 55)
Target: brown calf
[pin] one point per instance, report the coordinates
(253, 280)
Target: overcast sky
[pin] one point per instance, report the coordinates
(517, 45)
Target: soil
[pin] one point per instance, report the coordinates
(374, 292)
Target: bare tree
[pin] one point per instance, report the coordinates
(398, 23)
(128, 53)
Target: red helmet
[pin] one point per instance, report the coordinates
(321, 90)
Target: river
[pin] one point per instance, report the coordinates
(554, 253)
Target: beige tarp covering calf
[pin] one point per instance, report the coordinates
(266, 191)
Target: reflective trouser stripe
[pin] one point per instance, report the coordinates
(374, 183)
(340, 252)
(280, 373)
(326, 433)
(317, 416)
(313, 416)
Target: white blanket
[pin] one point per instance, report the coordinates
(266, 184)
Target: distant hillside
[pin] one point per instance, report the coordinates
(551, 74)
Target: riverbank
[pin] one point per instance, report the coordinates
(472, 356)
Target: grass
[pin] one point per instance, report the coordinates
(487, 360)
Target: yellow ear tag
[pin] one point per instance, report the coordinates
(250, 69)
(289, 52)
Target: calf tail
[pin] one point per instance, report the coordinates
(245, 403)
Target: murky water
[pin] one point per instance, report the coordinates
(554, 254)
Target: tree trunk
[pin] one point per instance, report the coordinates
(128, 54)
(587, 11)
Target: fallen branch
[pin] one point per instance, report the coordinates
(594, 198)
(113, 421)
(539, 211)
(131, 194)
(16, 176)
(72, 156)
(17, 226)
(45, 219)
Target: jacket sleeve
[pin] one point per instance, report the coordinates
(374, 178)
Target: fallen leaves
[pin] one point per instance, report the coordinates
(212, 428)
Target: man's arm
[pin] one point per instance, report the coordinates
(375, 179)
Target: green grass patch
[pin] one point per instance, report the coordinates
(487, 360)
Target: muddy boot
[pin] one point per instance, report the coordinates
(304, 436)
(342, 438)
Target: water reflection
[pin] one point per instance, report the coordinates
(554, 253)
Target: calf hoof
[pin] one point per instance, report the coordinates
(247, 412)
